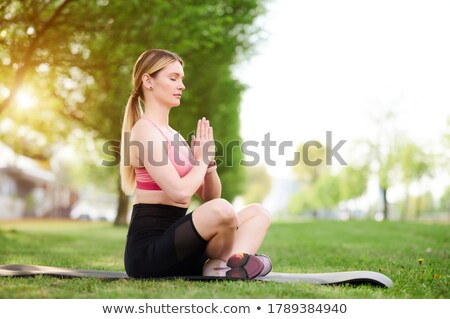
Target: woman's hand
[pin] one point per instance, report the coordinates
(202, 144)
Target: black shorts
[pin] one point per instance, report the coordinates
(162, 241)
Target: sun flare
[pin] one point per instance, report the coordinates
(25, 99)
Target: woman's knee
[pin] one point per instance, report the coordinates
(224, 212)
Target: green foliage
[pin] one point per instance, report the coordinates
(313, 162)
(257, 185)
(43, 50)
(352, 181)
(309, 171)
(321, 189)
(445, 200)
(387, 169)
(399, 161)
(323, 194)
(302, 201)
(414, 206)
(424, 203)
(327, 191)
(446, 135)
(414, 162)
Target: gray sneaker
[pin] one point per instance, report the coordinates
(244, 266)
(267, 264)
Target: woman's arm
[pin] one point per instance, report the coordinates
(212, 188)
(151, 155)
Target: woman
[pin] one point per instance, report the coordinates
(162, 239)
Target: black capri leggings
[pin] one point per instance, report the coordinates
(162, 241)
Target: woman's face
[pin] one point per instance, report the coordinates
(168, 84)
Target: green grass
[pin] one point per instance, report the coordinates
(392, 248)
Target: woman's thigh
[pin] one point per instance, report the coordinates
(251, 211)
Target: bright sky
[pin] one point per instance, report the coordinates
(327, 65)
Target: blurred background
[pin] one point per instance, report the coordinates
(374, 74)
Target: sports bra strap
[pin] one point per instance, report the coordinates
(156, 127)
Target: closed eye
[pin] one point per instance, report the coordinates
(176, 76)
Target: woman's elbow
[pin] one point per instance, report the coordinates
(181, 197)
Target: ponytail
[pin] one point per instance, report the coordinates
(132, 114)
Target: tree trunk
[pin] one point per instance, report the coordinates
(349, 212)
(122, 208)
(385, 203)
(406, 204)
(418, 203)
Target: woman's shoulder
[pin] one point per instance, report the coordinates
(144, 130)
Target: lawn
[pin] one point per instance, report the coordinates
(393, 248)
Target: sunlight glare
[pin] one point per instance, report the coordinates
(4, 92)
(25, 99)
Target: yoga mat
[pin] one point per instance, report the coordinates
(348, 277)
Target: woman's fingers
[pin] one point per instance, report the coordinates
(204, 136)
(204, 130)
(199, 128)
(210, 134)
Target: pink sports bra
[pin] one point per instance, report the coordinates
(145, 181)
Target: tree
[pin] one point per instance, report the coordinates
(304, 201)
(423, 203)
(352, 182)
(311, 167)
(258, 185)
(382, 153)
(445, 200)
(386, 166)
(26, 22)
(49, 35)
(323, 194)
(441, 160)
(312, 163)
(415, 164)
(40, 51)
(327, 191)
(382, 156)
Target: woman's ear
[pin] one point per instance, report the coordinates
(147, 81)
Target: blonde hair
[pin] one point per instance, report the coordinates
(151, 62)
